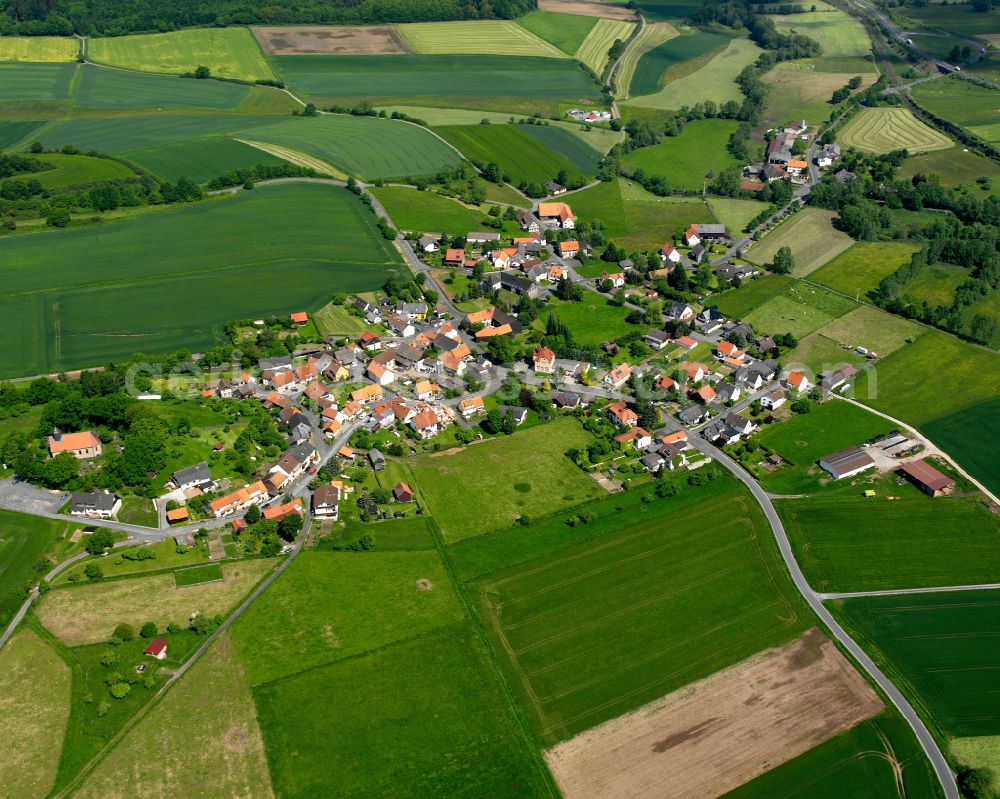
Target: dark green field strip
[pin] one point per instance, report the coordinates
(12, 131)
(972, 437)
(565, 31)
(946, 646)
(856, 764)
(105, 88)
(521, 156)
(436, 75)
(739, 302)
(600, 628)
(35, 81)
(196, 576)
(432, 707)
(572, 148)
(367, 147)
(118, 134)
(849, 543)
(654, 63)
(199, 159)
(669, 9)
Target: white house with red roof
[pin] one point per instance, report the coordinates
(798, 382)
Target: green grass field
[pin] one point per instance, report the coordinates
(35, 685)
(38, 49)
(954, 166)
(979, 752)
(805, 438)
(838, 33)
(594, 50)
(330, 606)
(228, 52)
(944, 647)
(521, 156)
(740, 302)
(199, 159)
(71, 170)
(487, 486)
(715, 81)
(108, 89)
(811, 237)
(875, 330)
(819, 353)
(592, 320)
(212, 705)
(970, 436)
(367, 147)
(651, 37)
(654, 63)
(427, 212)
(686, 161)
(936, 284)
(476, 37)
(565, 31)
(602, 627)
(882, 130)
(212, 259)
(965, 103)
(583, 154)
(800, 310)
(849, 542)
(24, 540)
(209, 573)
(963, 376)
(334, 319)
(735, 214)
(958, 18)
(858, 763)
(802, 90)
(988, 306)
(35, 81)
(434, 709)
(514, 84)
(165, 556)
(861, 268)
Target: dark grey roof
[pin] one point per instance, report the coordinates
(712, 230)
(198, 473)
(85, 500)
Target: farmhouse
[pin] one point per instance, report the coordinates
(528, 221)
(278, 512)
(454, 257)
(796, 166)
(847, 462)
(427, 424)
(95, 505)
(479, 237)
(300, 319)
(157, 649)
(558, 213)
(177, 515)
(569, 249)
(79, 445)
(927, 478)
(670, 254)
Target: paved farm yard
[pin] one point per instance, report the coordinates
(487, 486)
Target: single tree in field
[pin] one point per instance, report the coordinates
(784, 261)
(983, 328)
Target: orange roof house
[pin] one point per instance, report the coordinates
(367, 393)
(677, 437)
(687, 342)
(706, 393)
(301, 318)
(454, 257)
(664, 383)
(81, 445)
(622, 415)
(569, 248)
(560, 211)
(279, 512)
(177, 515)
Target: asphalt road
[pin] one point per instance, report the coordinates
(927, 742)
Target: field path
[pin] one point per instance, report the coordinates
(938, 589)
(924, 737)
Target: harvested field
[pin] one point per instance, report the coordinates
(327, 40)
(594, 50)
(882, 130)
(295, 157)
(720, 732)
(652, 36)
(477, 37)
(587, 8)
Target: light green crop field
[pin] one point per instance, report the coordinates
(954, 166)
(199, 159)
(101, 88)
(660, 600)
(426, 212)
(838, 33)
(209, 259)
(651, 37)
(739, 302)
(228, 52)
(735, 214)
(476, 37)
(35, 81)
(120, 134)
(433, 707)
(23, 540)
(212, 705)
(565, 31)
(944, 649)
(35, 685)
(487, 486)
(881, 130)
(715, 81)
(685, 161)
(38, 49)
(853, 543)
(861, 268)
(963, 102)
(594, 50)
(861, 763)
(799, 311)
(334, 605)
(521, 156)
(873, 329)
(964, 376)
(71, 170)
(363, 146)
(515, 84)
(978, 752)
(811, 237)
(958, 18)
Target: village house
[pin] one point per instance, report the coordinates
(326, 500)
(796, 166)
(239, 500)
(559, 214)
(193, 477)
(528, 221)
(727, 350)
(80, 445)
(616, 279)
(569, 249)
(774, 400)
(426, 390)
(709, 320)
(401, 326)
(429, 243)
(471, 406)
(454, 256)
(544, 360)
(687, 342)
(554, 189)
(412, 311)
(657, 339)
(679, 312)
(829, 154)
(477, 237)
(516, 412)
(157, 648)
(665, 383)
(278, 512)
(427, 424)
(835, 378)
(797, 382)
(670, 254)
(639, 438)
(515, 283)
(96, 505)
(618, 376)
(367, 393)
(621, 415)
(693, 415)
(370, 341)
(727, 392)
(565, 400)
(300, 319)
(704, 394)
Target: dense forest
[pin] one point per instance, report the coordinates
(117, 17)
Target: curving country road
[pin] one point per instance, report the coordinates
(926, 740)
